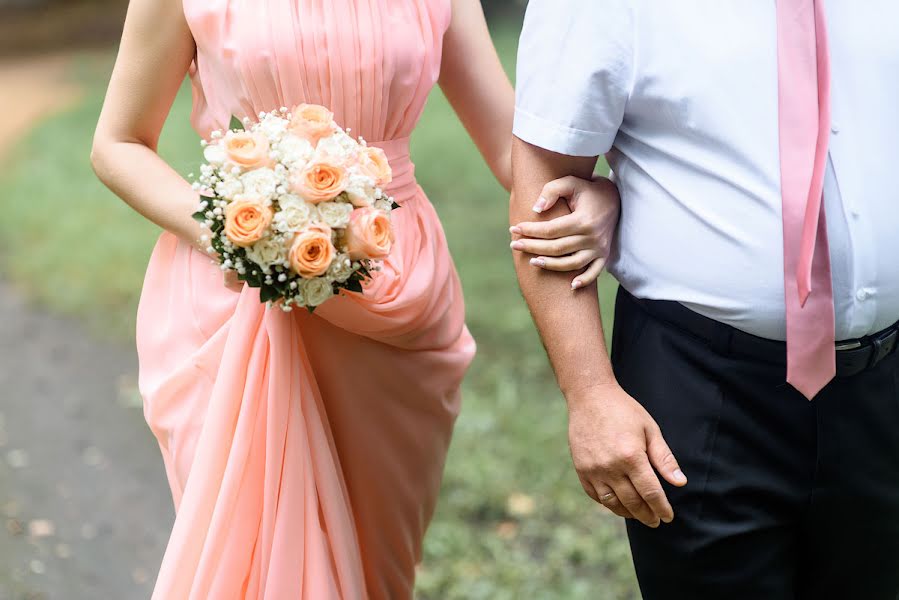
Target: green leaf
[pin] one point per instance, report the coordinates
(199, 216)
(253, 280)
(268, 292)
(236, 124)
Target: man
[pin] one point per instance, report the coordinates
(723, 122)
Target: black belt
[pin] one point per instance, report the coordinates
(855, 356)
(852, 356)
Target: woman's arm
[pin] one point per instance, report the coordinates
(478, 88)
(154, 56)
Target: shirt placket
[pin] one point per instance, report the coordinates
(861, 237)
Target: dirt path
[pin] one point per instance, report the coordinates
(30, 89)
(83, 496)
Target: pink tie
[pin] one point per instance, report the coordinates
(804, 103)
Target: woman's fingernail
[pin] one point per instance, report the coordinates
(576, 284)
(667, 520)
(516, 245)
(541, 205)
(538, 262)
(679, 476)
(515, 230)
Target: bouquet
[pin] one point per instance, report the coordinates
(294, 205)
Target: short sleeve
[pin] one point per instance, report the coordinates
(574, 75)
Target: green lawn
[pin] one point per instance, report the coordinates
(512, 521)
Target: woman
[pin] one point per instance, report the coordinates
(293, 476)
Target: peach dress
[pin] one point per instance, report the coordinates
(305, 452)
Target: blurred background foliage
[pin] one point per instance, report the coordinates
(512, 521)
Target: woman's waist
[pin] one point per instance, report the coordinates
(404, 186)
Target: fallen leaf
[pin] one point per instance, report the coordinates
(520, 505)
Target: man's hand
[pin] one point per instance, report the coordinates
(615, 444)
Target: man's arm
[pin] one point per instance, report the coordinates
(614, 442)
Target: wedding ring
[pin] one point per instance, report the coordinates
(606, 497)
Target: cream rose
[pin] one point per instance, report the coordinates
(316, 291)
(312, 251)
(295, 214)
(267, 252)
(295, 151)
(229, 187)
(312, 122)
(246, 222)
(360, 190)
(338, 148)
(215, 154)
(247, 150)
(260, 183)
(369, 234)
(319, 182)
(335, 214)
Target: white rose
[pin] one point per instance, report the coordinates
(260, 184)
(214, 154)
(385, 205)
(316, 291)
(341, 268)
(294, 215)
(361, 189)
(268, 252)
(295, 151)
(229, 187)
(335, 214)
(339, 146)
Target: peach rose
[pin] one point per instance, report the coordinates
(312, 252)
(312, 122)
(369, 234)
(247, 150)
(319, 182)
(246, 222)
(374, 163)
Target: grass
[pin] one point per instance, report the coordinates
(512, 520)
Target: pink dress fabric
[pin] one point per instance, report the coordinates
(305, 452)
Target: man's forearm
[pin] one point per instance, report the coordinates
(569, 321)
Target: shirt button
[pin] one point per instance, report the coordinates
(834, 128)
(862, 295)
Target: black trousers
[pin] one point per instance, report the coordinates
(787, 499)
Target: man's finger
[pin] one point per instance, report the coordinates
(662, 458)
(609, 500)
(628, 495)
(647, 485)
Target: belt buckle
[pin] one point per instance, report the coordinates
(853, 345)
(884, 344)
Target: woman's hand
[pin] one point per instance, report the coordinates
(580, 240)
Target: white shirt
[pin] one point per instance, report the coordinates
(683, 96)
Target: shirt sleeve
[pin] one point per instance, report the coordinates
(575, 73)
